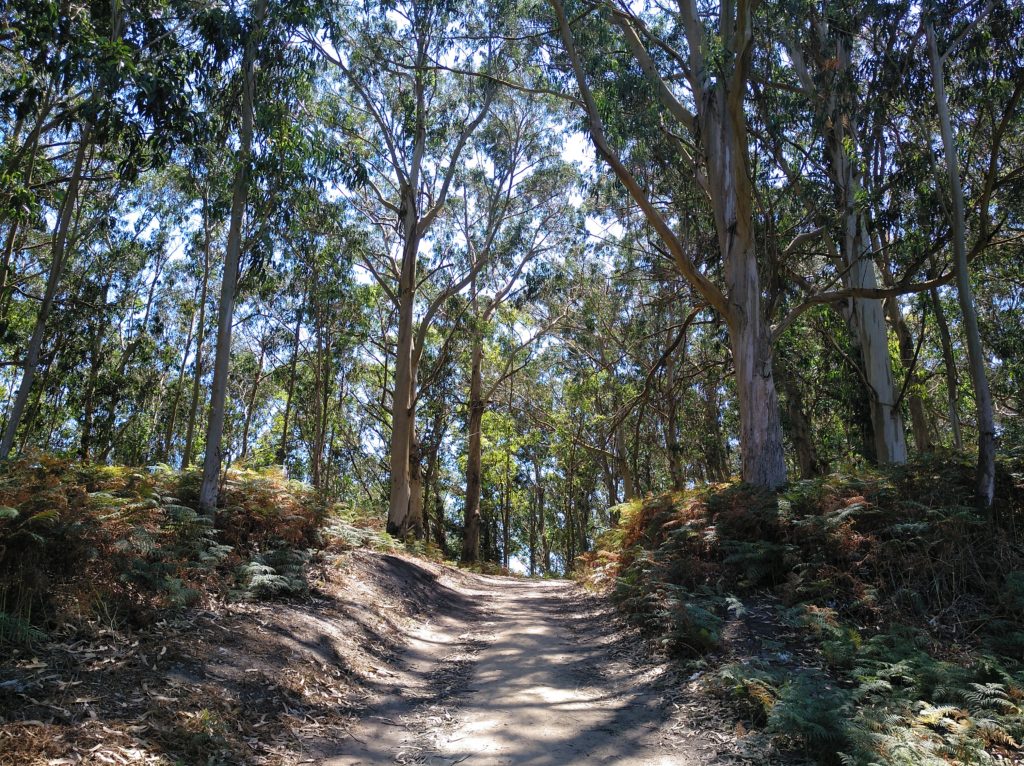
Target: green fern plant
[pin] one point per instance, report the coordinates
(815, 714)
(276, 574)
(19, 631)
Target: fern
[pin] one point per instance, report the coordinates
(989, 696)
(277, 574)
(814, 713)
(18, 631)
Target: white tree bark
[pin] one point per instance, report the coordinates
(403, 402)
(986, 476)
(867, 316)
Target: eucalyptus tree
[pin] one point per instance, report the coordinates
(945, 195)
(191, 313)
(198, 178)
(958, 223)
(821, 48)
(332, 316)
(114, 84)
(441, 391)
(514, 216)
(277, 157)
(300, 287)
(417, 117)
(712, 57)
(232, 257)
(600, 334)
(920, 209)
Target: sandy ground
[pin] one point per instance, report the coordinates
(522, 672)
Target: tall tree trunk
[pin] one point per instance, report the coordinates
(865, 315)
(506, 522)
(723, 131)
(282, 449)
(533, 534)
(433, 497)
(720, 129)
(506, 512)
(801, 431)
(486, 538)
(232, 260)
(762, 457)
(542, 534)
(637, 473)
(674, 450)
(9, 167)
(415, 484)
(761, 452)
(976, 358)
(428, 492)
(165, 452)
(672, 447)
(949, 363)
(251, 404)
(920, 424)
(611, 485)
(471, 515)
(95, 334)
(571, 526)
(57, 261)
(440, 538)
(5, 270)
(869, 324)
(197, 372)
(609, 460)
(118, 393)
(322, 386)
(35, 409)
(622, 460)
(402, 416)
(715, 457)
(14, 227)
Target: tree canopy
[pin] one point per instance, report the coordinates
(489, 270)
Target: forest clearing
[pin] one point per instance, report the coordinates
(517, 382)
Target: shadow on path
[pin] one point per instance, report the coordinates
(546, 691)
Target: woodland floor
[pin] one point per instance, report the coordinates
(491, 671)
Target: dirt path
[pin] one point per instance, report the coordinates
(522, 672)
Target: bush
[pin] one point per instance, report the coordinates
(911, 598)
(120, 545)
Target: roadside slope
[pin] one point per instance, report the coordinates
(236, 682)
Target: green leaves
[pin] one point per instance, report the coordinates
(276, 574)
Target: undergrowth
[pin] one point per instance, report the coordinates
(908, 600)
(119, 547)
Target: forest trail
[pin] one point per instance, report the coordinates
(523, 672)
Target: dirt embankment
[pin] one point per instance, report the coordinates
(246, 683)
